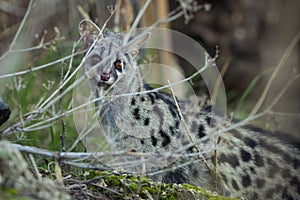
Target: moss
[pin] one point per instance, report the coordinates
(10, 191)
(205, 193)
(127, 186)
(113, 180)
(134, 187)
(12, 194)
(144, 180)
(151, 190)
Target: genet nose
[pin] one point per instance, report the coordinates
(105, 76)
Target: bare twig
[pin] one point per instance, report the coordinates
(265, 112)
(36, 171)
(93, 160)
(88, 160)
(40, 67)
(278, 67)
(63, 79)
(19, 127)
(282, 91)
(19, 30)
(200, 155)
(268, 110)
(136, 21)
(83, 13)
(219, 80)
(67, 155)
(189, 7)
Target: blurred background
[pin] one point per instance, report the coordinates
(252, 37)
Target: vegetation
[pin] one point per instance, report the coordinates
(38, 78)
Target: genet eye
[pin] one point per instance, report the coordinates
(118, 65)
(95, 59)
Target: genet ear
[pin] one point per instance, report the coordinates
(89, 31)
(134, 45)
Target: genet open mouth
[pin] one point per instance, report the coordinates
(103, 84)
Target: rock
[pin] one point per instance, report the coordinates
(17, 182)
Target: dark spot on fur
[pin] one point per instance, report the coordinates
(260, 183)
(125, 137)
(269, 193)
(177, 124)
(198, 115)
(152, 98)
(252, 170)
(195, 172)
(133, 101)
(285, 173)
(250, 142)
(295, 182)
(296, 163)
(208, 120)
(177, 176)
(246, 156)
(201, 132)
(166, 138)
(246, 181)
(235, 185)
(224, 178)
(278, 187)
(153, 140)
(190, 150)
(286, 195)
(147, 121)
(173, 133)
(223, 158)
(173, 113)
(142, 141)
(142, 98)
(281, 137)
(136, 114)
(254, 195)
(231, 159)
(206, 109)
(273, 149)
(237, 134)
(259, 160)
(273, 168)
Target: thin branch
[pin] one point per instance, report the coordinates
(187, 130)
(219, 81)
(40, 67)
(72, 158)
(267, 111)
(283, 114)
(19, 127)
(34, 166)
(19, 30)
(21, 25)
(136, 21)
(283, 90)
(279, 66)
(67, 155)
(63, 125)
